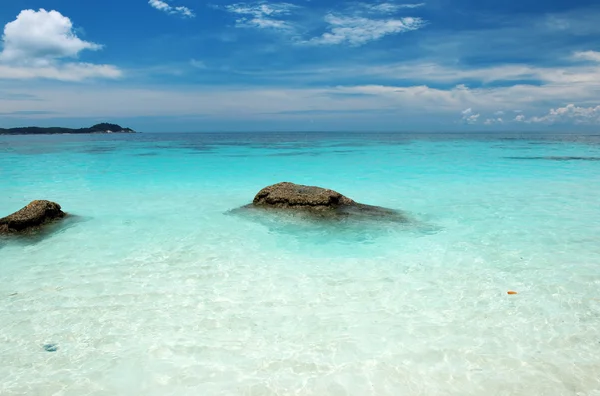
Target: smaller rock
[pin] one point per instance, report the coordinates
(51, 347)
(31, 217)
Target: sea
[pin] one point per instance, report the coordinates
(156, 285)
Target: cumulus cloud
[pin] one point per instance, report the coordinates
(36, 43)
(561, 115)
(262, 15)
(356, 31)
(570, 113)
(464, 100)
(40, 37)
(469, 117)
(472, 119)
(169, 9)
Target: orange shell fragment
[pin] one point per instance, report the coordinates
(512, 292)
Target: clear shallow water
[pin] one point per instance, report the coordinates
(157, 288)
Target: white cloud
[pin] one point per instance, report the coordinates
(415, 5)
(169, 9)
(357, 31)
(198, 64)
(387, 8)
(396, 102)
(570, 113)
(469, 117)
(351, 28)
(461, 97)
(159, 5)
(472, 119)
(240, 101)
(185, 11)
(36, 43)
(499, 113)
(492, 121)
(433, 72)
(580, 21)
(38, 37)
(61, 72)
(430, 73)
(408, 97)
(587, 55)
(262, 15)
(237, 102)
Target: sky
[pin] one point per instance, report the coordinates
(304, 65)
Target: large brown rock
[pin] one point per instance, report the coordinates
(290, 195)
(317, 202)
(31, 217)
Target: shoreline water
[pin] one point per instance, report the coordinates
(158, 290)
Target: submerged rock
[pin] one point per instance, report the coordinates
(317, 202)
(31, 217)
(50, 347)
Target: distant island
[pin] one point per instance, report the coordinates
(98, 128)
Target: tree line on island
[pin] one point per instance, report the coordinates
(98, 128)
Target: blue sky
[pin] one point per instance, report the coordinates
(188, 65)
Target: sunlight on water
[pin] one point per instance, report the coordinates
(157, 287)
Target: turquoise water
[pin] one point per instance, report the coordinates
(156, 288)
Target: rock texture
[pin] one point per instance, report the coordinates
(319, 202)
(290, 195)
(31, 217)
